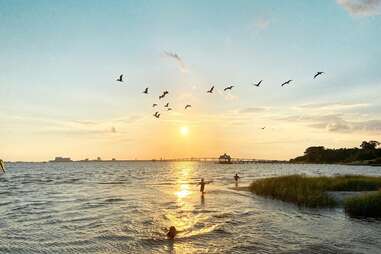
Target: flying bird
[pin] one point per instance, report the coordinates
(145, 91)
(169, 109)
(188, 106)
(120, 79)
(318, 73)
(263, 128)
(287, 82)
(258, 83)
(154, 105)
(166, 105)
(157, 115)
(228, 88)
(163, 95)
(210, 90)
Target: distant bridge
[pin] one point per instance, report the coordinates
(218, 160)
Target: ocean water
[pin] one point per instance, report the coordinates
(126, 207)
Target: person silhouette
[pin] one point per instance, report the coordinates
(202, 185)
(172, 233)
(2, 167)
(236, 178)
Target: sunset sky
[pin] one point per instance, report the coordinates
(59, 61)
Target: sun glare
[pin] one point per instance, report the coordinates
(184, 130)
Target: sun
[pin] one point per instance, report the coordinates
(184, 130)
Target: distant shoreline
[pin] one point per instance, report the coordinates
(161, 161)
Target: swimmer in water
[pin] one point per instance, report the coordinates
(172, 233)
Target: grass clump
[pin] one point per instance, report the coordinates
(367, 205)
(312, 191)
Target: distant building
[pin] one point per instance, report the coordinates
(225, 159)
(113, 159)
(99, 159)
(61, 159)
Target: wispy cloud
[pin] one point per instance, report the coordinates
(336, 123)
(333, 106)
(252, 110)
(361, 7)
(178, 60)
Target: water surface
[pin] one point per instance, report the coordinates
(126, 207)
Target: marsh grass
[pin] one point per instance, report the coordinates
(368, 205)
(311, 191)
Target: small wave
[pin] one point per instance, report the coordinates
(114, 200)
(115, 182)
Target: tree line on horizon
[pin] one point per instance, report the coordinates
(368, 152)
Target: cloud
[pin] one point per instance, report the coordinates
(361, 7)
(336, 123)
(333, 106)
(130, 119)
(178, 59)
(262, 23)
(252, 110)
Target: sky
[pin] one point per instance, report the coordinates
(59, 61)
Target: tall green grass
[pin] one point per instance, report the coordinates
(311, 191)
(368, 205)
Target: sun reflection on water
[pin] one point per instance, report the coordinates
(184, 191)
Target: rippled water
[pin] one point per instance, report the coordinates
(126, 207)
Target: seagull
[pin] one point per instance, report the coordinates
(120, 79)
(188, 106)
(166, 105)
(287, 82)
(154, 105)
(163, 95)
(258, 83)
(228, 88)
(145, 91)
(318, 73)
(157, 115)
(168, 109)
(210, 90)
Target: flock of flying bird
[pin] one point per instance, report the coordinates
(157, 114)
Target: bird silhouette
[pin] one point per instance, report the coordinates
(263, 128)
(120, 79)
(258, 83)
(163, 95)
(157, 114)
(145, 91)
(154, 105)
(318, 73)
(169, 109)
(188, 106)
(228, 88)
(287, 82)
(166, 105)
(210, 90)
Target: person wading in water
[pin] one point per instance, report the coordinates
(236, 178)
(202, 185)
